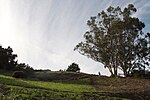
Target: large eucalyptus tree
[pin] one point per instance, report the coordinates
(115, 39)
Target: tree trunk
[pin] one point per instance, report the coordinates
(125, 73)
(110, 70)
(115, 72)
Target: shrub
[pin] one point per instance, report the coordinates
(73, 68)
(138, 73)
(19, 74)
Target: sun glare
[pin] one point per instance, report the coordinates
(6, 24)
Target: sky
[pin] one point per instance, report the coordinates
(43, 33)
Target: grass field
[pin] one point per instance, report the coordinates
(80, 87)
(12, 88)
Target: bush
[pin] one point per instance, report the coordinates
(19, 74)
(73, 68)
(137, 73)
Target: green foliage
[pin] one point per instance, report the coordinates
(19, 74)
(28, 71)
(7, 58)
(115, 38)
(24, 67)
(6, 72)
(73, 68)
(141, 74)
(8, 61)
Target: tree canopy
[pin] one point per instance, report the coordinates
(73, 68)
(8, 61)
(115, 38)
(7, 58)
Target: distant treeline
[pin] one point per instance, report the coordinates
(9, 62)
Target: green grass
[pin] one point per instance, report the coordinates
(49, 85)
(19, 89)
(21, 93)
(46, 85)
(63, 87)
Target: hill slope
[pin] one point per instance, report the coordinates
(73, 86)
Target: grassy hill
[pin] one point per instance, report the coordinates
(51, 85)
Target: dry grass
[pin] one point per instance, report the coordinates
(122, 84)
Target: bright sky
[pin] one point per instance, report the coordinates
(43, 33)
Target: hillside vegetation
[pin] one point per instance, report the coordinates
(72, 86)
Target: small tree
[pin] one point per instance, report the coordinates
(73, 68)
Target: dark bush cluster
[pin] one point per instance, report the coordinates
(73, 68)
(19, 74)
(8, 61)
(7, 58)
(140, 74)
